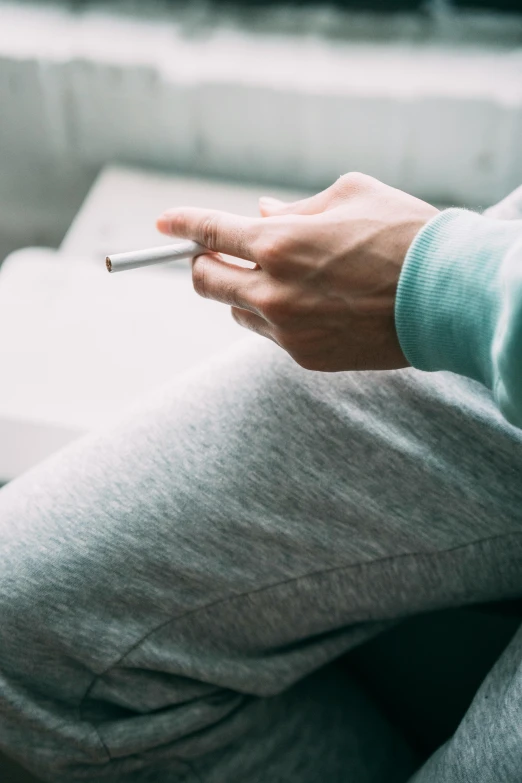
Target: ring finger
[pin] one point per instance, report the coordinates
(252, 321)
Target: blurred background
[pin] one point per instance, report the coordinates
(424, 94)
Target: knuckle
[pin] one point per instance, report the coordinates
(200, 276)
(209, 232)
(353, 182)
(274, 307)
(271, 251)
(177, 221)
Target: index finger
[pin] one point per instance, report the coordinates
(220, 232)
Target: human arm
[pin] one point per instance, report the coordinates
(328, 270)
(459, 303)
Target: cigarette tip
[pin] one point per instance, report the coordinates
(108, 264)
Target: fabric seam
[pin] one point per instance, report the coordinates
(238, 596)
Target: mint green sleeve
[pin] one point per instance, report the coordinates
(459, 303)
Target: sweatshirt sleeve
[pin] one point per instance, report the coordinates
(459, 303)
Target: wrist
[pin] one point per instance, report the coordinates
(448, 294)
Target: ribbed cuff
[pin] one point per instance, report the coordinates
(448, 297)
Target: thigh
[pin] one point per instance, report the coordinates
(243, 529)
(323, 727)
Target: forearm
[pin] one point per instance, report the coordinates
(459, 303)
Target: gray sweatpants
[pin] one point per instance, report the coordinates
(172, 591)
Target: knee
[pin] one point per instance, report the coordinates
(41, 686)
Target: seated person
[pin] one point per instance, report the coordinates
(174, 592)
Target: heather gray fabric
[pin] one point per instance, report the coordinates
(170, 590)
(487, 747)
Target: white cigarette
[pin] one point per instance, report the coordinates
(153, 255)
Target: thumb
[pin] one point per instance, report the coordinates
(270, 207)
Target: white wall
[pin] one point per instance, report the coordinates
(441, 119)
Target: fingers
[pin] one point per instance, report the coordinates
(215, 279)
(220, 232)
(270, 207)
(347, 186)
(252, 321)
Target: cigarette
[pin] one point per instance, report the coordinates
(153, 255)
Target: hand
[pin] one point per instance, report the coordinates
(326, 270)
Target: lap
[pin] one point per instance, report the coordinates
(246, 527)
(486, 747)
